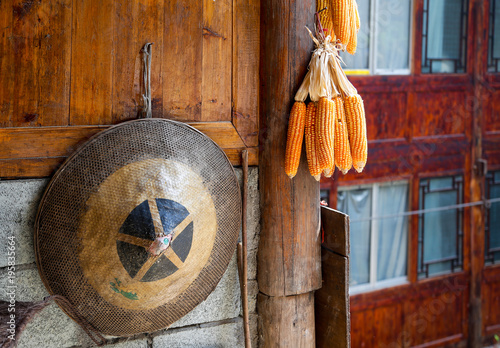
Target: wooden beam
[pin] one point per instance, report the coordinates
(37, 152)
(478, 17)
(289, 249)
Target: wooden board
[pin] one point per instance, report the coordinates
(32, 152)
(246, 32)
(335, 227)
(181, 81)
(332, 300)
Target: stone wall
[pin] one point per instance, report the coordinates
(216, 322)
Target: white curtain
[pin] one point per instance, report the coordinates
(391, 235)
(357, 204)
(392, 232)
(392, 22)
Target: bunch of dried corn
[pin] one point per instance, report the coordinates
(341, 19)
(333, 121)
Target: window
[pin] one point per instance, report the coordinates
(378, 244)
(383, 39)
(494, 32)
(444, 36)
(440, 230)
(492, 223)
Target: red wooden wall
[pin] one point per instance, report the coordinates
(420, 126)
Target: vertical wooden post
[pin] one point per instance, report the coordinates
(289, 250)
(479, 14)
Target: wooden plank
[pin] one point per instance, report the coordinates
(246, 33)
(44, 167)
(53, 66)
(30, 167)
(136, 23)
(387, 115)
(440, 113)
(286, 321)
(335, 225)
(332, 301)
(35, 54)
(182, 60)
(7, 73)
(24, 81)
(37, 151)
(60, 141)
(43, 141)
(92, 62)
(216, 60)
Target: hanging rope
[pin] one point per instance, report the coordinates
(146, 77)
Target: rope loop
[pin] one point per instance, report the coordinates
(146, 77)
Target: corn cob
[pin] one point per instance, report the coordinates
(341, 149)
(356, 127)
(312, 157)
(353, 39)
(324, 132)
(340, 12)
(325, 17)
(295, 137)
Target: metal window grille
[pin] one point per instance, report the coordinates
(493, 61)
(490, 251)
(459, 63)
(455, 261)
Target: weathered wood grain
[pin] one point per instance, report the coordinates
(245, 89)
(24, 63)
(216, 60)
(286, 321)
(92, 62)
(53, 67)
(182, 60)
(335, 228)
(136, 23)
(289, 249)
(332, 300)
(6, 62)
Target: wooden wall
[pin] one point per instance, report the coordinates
(70, 68)
(424, 126)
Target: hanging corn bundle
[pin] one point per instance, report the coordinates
(334, 119)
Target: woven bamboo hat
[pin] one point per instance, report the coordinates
(138, 226)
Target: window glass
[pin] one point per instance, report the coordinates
(361, 58)
(444, 36)
(492, 239)
(378, 233)
(440, 230)
(325, 196)
(494, 37)
(383, 38)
